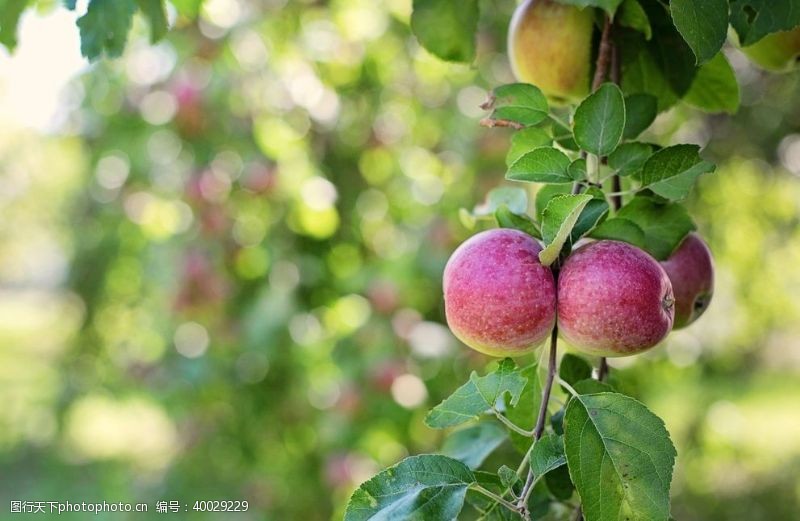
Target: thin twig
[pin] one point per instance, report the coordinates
(511, 425)
(603, 55)
(602, 371)
(491, 123)
(494, 497)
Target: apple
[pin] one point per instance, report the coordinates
(691, 270)
(498, 297)
(550, 46)
(613, 300)
(777, 52)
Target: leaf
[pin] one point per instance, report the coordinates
(420, 487)
(446, 29)
(547, 454)
(704, 25)
(525, 140)
(559, 483)
(521, 412)
(715, 88)
(104, 27)
(577, 169)
(754, 19)
(609, 6)
(629, 158)
(545, 193)
(188, 8)
(563, 136)
(542, 165)
(592, 386)
(521, 103)
(631, 14)
(70, 4)
(508, 476)
(507, 219)
(672, 171)
(558, 219)
(10, 13)
(473, 444)
(513, 198)
(478, 395)
(574, 368)
(664, 224)
(620, 229)
(156, 16)
(594, 212)
(600, 120)
(640, 112)
(620, 458)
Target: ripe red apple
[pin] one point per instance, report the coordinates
(691, 270)
(550, 46)
(498, 297)
(613, 300)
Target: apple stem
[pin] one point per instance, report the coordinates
(602, 371)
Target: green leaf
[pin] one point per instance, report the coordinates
(70, 4)
(478, 395)
(640, 112)
(574, 368)
(577, 169)
(507, 219)
(104, 27)
(10, 13)
(592, 386)
(508, 476)
(545, 193)
(600, 120)
(754, 19)
(559, 483)
(420, 487)
(521, 103)
(542, 165)
(620, 229)
(188, 8)
(473, 444)
(446, 29)
(594, 212)
(547, 454)
(672, 171)
(525, 140)
(563, 136)
(521, 413)
(609, 6)
(156, 16)
(631, 14)
(513, 198)
(629, 158)
(664, 224)
(715, 88)
(704, 25)
(620, 458)
(558, 219)
(557, 420)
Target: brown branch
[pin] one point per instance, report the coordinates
(491, 123)
(603, 55)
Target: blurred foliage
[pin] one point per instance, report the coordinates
(221, 278)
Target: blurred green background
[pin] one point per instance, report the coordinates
(220, 266)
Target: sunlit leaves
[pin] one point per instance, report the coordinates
(477, 396)
(704, 25)
(104, 27)
(620, 458)
(543, 165)
(600, 120)
(558, 219)
(420, 487)
(517, 104)
(525, 141)
(473, 444)
(629, 158)
(445, 28)
(671, 172)
(10, 12)
(715, 88)
(156, 16)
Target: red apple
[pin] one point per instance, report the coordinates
(691, 270)
(498, 297)
(613, 300)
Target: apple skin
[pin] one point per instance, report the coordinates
(776, 52)
(691, 270)
(498, 297)
(550, 46)
(613, 300)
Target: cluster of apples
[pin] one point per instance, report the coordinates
(550, 45)
(609, 298)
